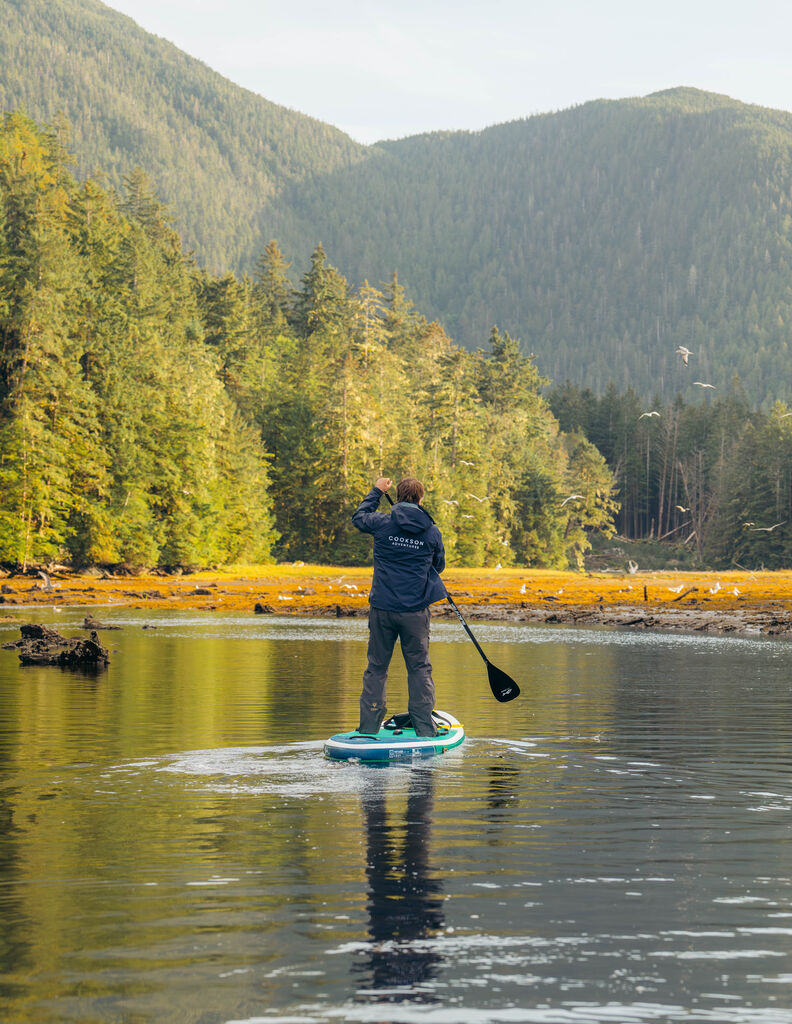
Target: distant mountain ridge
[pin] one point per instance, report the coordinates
(215, 150)
(603, 236)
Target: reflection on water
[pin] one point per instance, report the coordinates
(612, 847)
(405, 898)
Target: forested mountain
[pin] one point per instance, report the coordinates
(603, 237)
(216, 152)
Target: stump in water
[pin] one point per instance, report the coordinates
(40, 645)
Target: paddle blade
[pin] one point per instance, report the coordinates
(503, 687)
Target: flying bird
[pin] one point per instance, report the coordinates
(450, 501)
(573, 497)
(681, 508)
(767, 529)
(465, 463)
(652, 413)
(477, 498)
(702, 385)
(684, 352)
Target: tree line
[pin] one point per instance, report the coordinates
(714, 475)
(154, 413)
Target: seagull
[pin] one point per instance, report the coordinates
(466, 463)
(767, 529)
(633, 567)
(701, 385)
(682, 508)
(652, 413)
(684, 352)
(749, 524)
(736, 592)
(522, 589)
(477, 498)
(450, 502)
(348, 586)
(466, 515)
(714, 589)
(677, 590)
(573, 497)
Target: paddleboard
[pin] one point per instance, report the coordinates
(396, 741)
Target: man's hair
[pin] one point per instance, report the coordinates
(410, 489)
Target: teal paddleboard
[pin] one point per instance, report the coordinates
(395, 741)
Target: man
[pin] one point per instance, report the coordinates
(408, 557)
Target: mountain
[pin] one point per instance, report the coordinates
(216, 152)
(603, 237)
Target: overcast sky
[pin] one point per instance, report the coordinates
(390, 68)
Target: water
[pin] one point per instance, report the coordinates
(614, 846)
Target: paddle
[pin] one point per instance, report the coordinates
(503, 686)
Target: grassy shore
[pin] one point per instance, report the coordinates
(720, 601)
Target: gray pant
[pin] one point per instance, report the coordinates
(412, 630)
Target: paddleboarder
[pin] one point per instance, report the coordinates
(408, 558)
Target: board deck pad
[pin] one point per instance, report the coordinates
(395, 741)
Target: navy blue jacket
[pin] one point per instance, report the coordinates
(408, 555)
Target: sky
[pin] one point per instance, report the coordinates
(384, 69)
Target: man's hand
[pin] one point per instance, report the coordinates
(383, 483)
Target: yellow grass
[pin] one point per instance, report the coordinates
(313, 589)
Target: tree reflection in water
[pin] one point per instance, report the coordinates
(405, 899)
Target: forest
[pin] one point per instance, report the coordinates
(603, 236)
(713, 477)
(155, 414)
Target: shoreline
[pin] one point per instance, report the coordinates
(739, 602)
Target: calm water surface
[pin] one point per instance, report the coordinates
(614, 846)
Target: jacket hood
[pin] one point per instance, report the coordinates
(411, 518)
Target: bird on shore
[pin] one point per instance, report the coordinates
(573, 497)
(652, 413)
(685, 353)
(767, 529)
(702, 385)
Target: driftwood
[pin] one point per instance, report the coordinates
(40, 645)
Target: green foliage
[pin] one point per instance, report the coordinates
(153, 413)
(118, 439)
(715, 477)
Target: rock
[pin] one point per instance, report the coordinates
(89, 622)
(263, 609)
